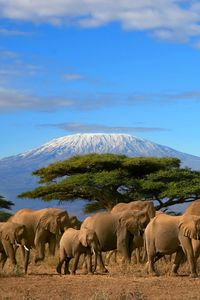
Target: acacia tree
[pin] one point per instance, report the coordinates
(106, 179)
(5, 204)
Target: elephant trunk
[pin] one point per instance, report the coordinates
(26, 261)
(125, 247)
(24, 243)
(95, 247)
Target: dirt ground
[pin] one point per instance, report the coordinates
(122, 282)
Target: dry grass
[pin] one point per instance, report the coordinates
(123, 282)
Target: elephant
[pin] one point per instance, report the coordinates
(12, 235)
(136, 205)
(148, 209)
(75, 242)
(194, 209)
(115, 231)
(43, 226)
(167, 234)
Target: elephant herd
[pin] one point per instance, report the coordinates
(127, 227)
(33, 229)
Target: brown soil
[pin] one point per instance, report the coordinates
(123, 283)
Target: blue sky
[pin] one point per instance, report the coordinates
(71, 66)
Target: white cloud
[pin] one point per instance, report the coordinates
(197, 45)
(13, 100)
(166, 19)
(8, 54)
(12, 66)
(73, 76)
(81, 127)
(10, 32)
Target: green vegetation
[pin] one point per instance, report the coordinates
(5, 204)
(106, 179)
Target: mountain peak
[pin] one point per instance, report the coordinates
(84, 143)
(13, 183)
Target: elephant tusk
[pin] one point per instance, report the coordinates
(26, 248)
(17, 244)
(93, 251)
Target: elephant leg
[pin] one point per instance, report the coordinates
(9, 251)
(52, 245)
(89, 263)
(76, 260)
(136, 256)
(59, 265)
(98, 260)
(158, 256)
(14, 262)
(101, 263)
(66, 266)
(186, 244)
(95, 262)
(179, 256)
(144, 255)
(84, 265)
(150, 263)
(3, 259)
(40, 255)
(196, 248)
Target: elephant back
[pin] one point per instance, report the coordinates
(62, 215)
(193, 208)
(136, 205)
(68, 241)
(105, 226)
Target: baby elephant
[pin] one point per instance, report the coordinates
(75, 242)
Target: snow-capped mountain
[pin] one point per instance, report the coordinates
(15, 171)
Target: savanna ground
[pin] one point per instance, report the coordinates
(122, 282)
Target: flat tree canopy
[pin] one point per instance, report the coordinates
(106, 179)
(5, 204)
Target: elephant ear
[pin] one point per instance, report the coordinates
(143, 218)
(83, 237)
(151, 211)
(132, 221)
(190, 226)
(122, 228)
(64, 220)
(20, 231)
(49, 223)
(8, 234)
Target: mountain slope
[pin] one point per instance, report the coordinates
(15, 171)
